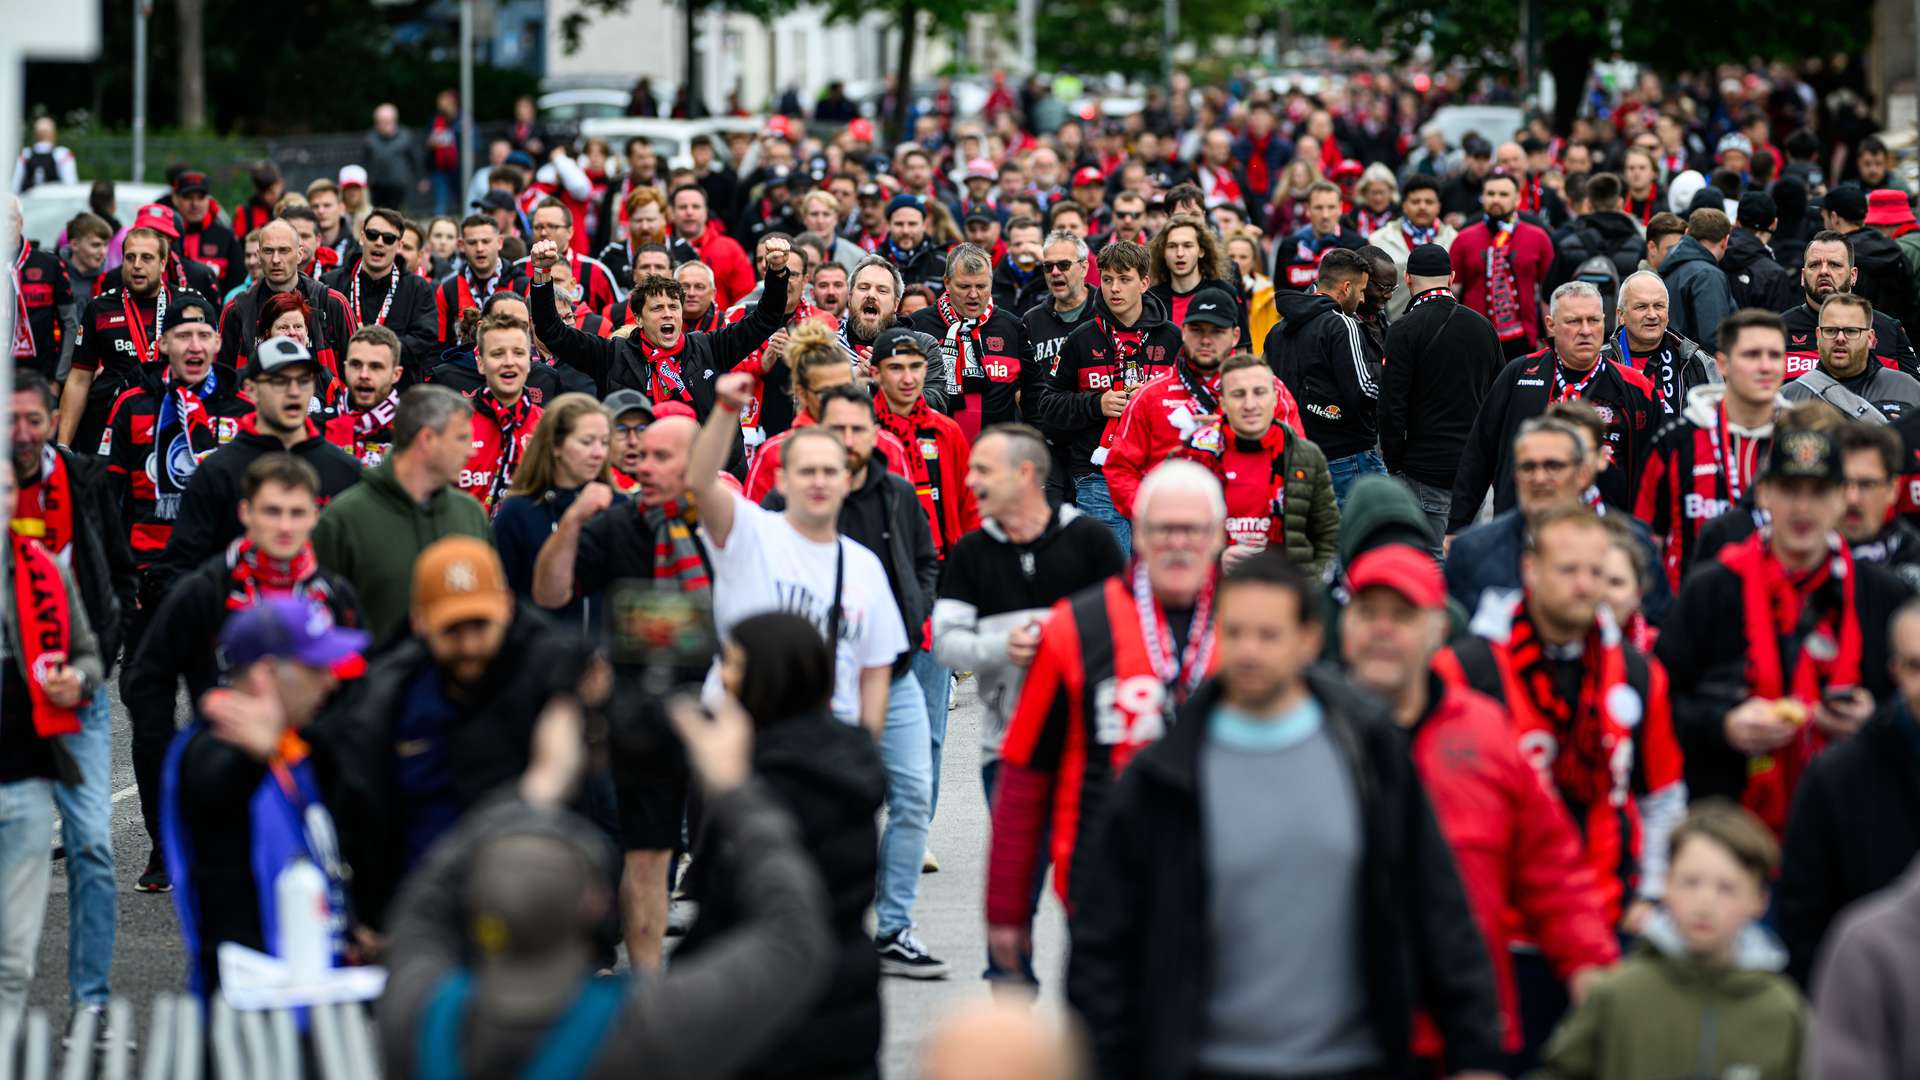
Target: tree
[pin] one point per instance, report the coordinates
(1663, 35)
(193, 63)
(1131, 32)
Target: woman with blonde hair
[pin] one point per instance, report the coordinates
(1377, 200)
(1288, 204)
(1244, 251)
(569, 451)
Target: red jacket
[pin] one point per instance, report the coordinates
(939, 471)
(1513, 844)
(1153, 427)
(477, 478)
(766, 459)
(1532, 255)
(732, 270)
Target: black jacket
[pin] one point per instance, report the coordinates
(490, 745)
(1295, 267)
(1704, 647)
(332, 324)
(1757, 278)
(1855, 827)
(1521, 392)
(1047, 332)
(415, 316)
(104, 572)
(1442, 357)
(1603, 232)
(883, 515)
(1066, 402)
(1333, 373)
(616, 363)
(1670, 380)
(924, 265)
(1890, 341)
(1885, 278)
(1487, 556)
(209, 509)
(1137, 971)
(1017, 297)
(829, 776)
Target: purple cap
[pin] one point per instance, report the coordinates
(288, 629)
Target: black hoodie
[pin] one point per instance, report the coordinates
(1068, 405)
(829, 776)
(1331, 370)
(1885, 279)
(1603, 232)
(1757, 278)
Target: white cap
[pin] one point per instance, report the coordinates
(351, 175)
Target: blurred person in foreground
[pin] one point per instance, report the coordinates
(1192, 891)
(1002, 1041)
(493, 946)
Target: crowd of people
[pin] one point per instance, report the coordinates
(1435, 610)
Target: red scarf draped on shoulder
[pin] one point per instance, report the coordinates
(1817, 607)
(46, 631)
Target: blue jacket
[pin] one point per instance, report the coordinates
(1487, 556)
(520, 526)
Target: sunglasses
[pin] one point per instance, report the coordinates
(379, 236)
(1060, 266)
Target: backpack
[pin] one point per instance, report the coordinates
(1599, 271)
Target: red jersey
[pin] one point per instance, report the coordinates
(1159, 419)
(500, 438)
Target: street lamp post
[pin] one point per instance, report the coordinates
(466, 98)
(140, 11)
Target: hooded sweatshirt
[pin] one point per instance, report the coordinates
(1330, 368)
(1664, 1012)
(1090, 363)
(1698, 293)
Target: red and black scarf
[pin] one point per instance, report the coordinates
(1584, 730)
(252, 576)
(915, 431)
(1816, 612)
(1642, 210)
(1371, 221)
(46, 631)
(1503, 285)
(676, 550)
(508, 420)
(53, 525)
(665, 381)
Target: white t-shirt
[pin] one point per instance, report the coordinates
(767, 565)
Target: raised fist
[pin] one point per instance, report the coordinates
(734, 390)
(777, 250)
(544, 254)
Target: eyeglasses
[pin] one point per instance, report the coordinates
(1129, 215)
(1060, 266)
(1548, 467)
(627, 430)
(285, 382)
(1850, 333)
(379, 236)
(1181, 531)
(1866, 485)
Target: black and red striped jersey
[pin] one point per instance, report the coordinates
(150, 457)
(1698, 466)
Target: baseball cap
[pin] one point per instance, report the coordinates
(621, 402)
(160, 219)
(872, 191)
(1733, 140)
(186, 307)
(1757, 210)
(190, 182)
(1429, 260)
(980, 213)
(778, 126)
(860, 129)
(981, 169)
(1088, 176)
(1805, 455)
(905, 202)
(277, 353)
(1406, 570)
(353, 176)
(288, 628)
(664, 409)
(1213, 307)
(899, 339)
(1848, 202)
(1889, 207)
(459, 579)
(495, 200)
(520, 159)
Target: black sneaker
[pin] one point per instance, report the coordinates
(155, 878)
(902, 954)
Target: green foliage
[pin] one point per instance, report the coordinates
(1099, 36)
(285, 67)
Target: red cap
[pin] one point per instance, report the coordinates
(1889, 207)
(1088, 175)
(160, 219)
(1406, 570)
(1349, 167)
(860, 129)
(780, 126)
(664, 409)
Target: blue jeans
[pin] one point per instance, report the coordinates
(1090, 495)
(1345, 470)
(26, 866)
(446, 188)
(936, 686)
(906, 749)
(86, 823)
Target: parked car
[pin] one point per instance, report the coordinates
(1494, 123)
(672, 139)
(48, 207)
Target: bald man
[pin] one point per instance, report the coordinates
(597, 546)
(328, 329)
(1538, 203)
(996, 1040)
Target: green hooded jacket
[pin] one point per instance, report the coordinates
(1664, 1013)
(372, 533)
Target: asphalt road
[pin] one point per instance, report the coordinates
(148, 955)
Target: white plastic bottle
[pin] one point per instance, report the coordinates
(306, 920)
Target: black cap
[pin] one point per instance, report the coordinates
(1214, 307)
(624, 401)
(1429, 260)
(496, 200)
(1757, 210)
(899, 339)
(981, 213)
(276, 353)
(191, 181)
(190, 307)
(1847, 202)
(1805, 455)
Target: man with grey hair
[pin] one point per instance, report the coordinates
(1096, 669)
(1553, 467)
(985, 360)
(873, 300)
(372, 533)
(1569, 367)
(396, 164)
(1064, 260)
(1645, 342)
